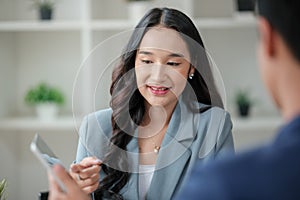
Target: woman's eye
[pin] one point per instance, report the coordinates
(147, 61)
(173, 63)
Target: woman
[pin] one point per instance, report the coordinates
(165, 114)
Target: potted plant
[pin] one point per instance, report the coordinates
(245, 5)
(46, 100)
(137, 9)
(45, 8)
(243, 102)
(3, 185)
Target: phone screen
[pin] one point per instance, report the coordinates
(43, 152)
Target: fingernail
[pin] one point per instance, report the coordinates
(98, 161)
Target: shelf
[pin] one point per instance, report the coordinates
(239, 20)
(67, 123)
(119, 24)
(16, 26)
(256, 123)
(33, 124)
(99, 25)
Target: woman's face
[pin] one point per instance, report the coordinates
(162, 66)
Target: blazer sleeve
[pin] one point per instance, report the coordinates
(225, 145)
(94, 135)
(81, 149)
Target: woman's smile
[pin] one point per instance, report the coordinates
(158, 90)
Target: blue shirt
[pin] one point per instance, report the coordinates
(268, 173)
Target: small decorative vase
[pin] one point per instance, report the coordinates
(244, 110)
(45, 14)
(245, 5)
(137, 9)
(47, 111)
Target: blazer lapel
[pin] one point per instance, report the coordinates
(166, 179)
(172, 159)
(130, 191)
(173, 155)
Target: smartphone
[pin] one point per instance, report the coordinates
(43, 152)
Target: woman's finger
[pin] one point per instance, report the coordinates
(89, 161)
(90, 171)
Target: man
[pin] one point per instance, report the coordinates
(272, 171)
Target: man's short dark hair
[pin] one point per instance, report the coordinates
(283, 16)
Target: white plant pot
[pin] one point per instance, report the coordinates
(136, 10)
(47, 111)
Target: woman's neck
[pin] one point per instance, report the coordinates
(157, 116)
(152, 131)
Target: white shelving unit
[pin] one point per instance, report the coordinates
(110, 25)
(68, 123)
(21, 26)
(86, 29)
(254, 131)
(33, 124)
(256, 123)
(117, 24)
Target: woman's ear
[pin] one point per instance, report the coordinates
(191, 69)
(191, 72)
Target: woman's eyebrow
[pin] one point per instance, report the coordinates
(145, 52)
(176, 55)
(170, 55)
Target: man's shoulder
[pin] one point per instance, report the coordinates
(272, 156)
(265, 170)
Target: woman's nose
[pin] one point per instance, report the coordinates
(158, 72)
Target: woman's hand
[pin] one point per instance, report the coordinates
(73, 190)
(86, 174)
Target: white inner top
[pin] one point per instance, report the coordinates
(145, 176)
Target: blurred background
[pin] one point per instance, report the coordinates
(48, 41)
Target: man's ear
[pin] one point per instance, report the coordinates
(267, 37)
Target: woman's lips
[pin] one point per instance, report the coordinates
(158, 90)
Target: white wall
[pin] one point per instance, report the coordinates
(245, 140)
(234, 52)
(213, 8)
(39, 58)
(64, 9)
(7, 9)
(9, 149)
(7, 74)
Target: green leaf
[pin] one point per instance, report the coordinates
(44, 93)
(242, 98)
(44, 4)
(3, 185)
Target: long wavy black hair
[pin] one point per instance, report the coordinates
(202, 89)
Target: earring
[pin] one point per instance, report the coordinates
(191, 76)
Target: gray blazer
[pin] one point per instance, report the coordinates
(189, 137)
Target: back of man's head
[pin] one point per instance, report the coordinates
(283, 16)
